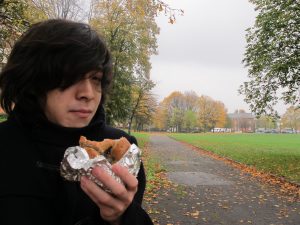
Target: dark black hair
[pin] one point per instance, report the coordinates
(52, 54)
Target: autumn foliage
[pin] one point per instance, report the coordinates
(188, 112)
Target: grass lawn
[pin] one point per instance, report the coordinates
(278, 154)
(142, 138)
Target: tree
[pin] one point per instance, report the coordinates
(144, 115)
(168, 10)
(205, 110)
(141, 101)
(220, 114)
(272, 56)
(191, 109)
(130, 30)
(265, 122)
(16, 17)
(291, 118)
(189, 120)
(211, 113)
(191, 101)
(12, 24)
(171, 112)
(175, 107)
(65, 9)
(228, 122)
(160, 117)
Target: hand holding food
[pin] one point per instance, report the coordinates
(80, 160)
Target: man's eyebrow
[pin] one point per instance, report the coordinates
(98, 72)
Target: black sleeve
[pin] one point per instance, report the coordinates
(138, 198)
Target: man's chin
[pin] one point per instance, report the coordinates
(77, 124)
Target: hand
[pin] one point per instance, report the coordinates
(111, 205)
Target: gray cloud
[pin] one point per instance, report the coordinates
(203, 50)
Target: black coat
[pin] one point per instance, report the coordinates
(31, 188)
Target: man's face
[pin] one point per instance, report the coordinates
(76, 105)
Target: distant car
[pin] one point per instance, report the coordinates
(260, 130)
(221, 130)
(287, 131)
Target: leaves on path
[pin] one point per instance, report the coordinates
(157, 181)
(291, 190)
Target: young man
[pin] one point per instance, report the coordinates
(53, 88)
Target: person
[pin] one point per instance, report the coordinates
(53, 88)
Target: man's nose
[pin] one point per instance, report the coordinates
(85, 89)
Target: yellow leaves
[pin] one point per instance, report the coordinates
(194, 214)
(291, 118)
(160, 7)
(171, 20)
(211, 113)
(156, 178)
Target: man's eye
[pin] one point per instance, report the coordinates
(97, 79)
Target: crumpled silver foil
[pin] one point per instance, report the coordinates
(76, 163)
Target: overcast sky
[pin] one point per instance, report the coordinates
(203, 50)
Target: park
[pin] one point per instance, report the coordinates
(213, 101)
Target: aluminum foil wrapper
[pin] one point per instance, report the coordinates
(76, 163)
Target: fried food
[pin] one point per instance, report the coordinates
(119, 149)
(113, 150)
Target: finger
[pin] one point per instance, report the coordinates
(118, 190)
(108, 181)
(99, 196)
(129, 180)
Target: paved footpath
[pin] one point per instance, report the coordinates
(212, 192)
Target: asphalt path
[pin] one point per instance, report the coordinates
(209, 191)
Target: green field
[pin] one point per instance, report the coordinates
(142, 138)
(278, 154)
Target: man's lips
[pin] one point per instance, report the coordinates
(82, 113)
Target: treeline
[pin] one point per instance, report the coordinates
(290, 119)
(186, 112)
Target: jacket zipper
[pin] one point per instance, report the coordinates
(47, 166)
